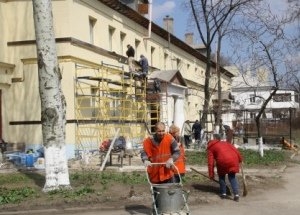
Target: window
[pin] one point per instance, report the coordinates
(88, 103)
(94, 92)
(282, 97)
(152, 55)
(166, 60)
(122, 39)
(92, 22)
(197, 72)
(137, 45)
(115, 102)
(178, 62)
(252, 115)
(252, 98)
(111, 32)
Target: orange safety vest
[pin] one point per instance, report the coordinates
(180, 162)
(159, 154)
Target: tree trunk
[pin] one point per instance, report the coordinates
(207, 93)
(220, 99)
(260, 146)
(259, 139)
(53, 106)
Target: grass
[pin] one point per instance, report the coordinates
(23, 186)
(251, 158)
(16, 195)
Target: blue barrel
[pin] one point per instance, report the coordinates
(29, 160)
(22, 159)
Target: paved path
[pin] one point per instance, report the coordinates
(280, 201)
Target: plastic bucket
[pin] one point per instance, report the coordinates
(40, 163)
(169, 197)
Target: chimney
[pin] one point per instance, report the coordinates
(168, 24)
(189, 39)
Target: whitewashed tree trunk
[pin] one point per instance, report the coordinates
(53, 106)
(260, 146)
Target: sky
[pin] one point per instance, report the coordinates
(176, 10)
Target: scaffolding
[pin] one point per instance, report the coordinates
(157, 104)
(107, 99)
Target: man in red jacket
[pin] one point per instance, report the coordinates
(227, 159)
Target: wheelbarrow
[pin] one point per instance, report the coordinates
(168, 198)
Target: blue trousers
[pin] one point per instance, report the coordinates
(233, 182)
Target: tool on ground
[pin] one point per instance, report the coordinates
(109, 150)
(245, 189)
(228, 191)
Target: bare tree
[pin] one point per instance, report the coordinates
(263, 43)
(209, 17)
(295, 85)
(221, 33)
(53, 104)
(294, 15)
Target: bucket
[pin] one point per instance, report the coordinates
(169, 197)
(40, 163)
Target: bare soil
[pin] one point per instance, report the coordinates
(201, 191)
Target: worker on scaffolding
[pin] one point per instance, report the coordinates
(130, 54)
(144, 66)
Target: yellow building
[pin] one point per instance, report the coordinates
(92, 38)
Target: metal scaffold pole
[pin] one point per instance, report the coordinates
(107, 98)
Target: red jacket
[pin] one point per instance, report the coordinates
(226, 157)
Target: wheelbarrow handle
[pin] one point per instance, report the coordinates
(173, 167)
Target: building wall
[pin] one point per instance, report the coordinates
(72, 19)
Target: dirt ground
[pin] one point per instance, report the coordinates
(116, 195)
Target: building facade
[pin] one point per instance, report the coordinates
(248, 100)
(101, 95)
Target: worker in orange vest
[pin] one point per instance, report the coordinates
(180, 162)
(161, 148)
